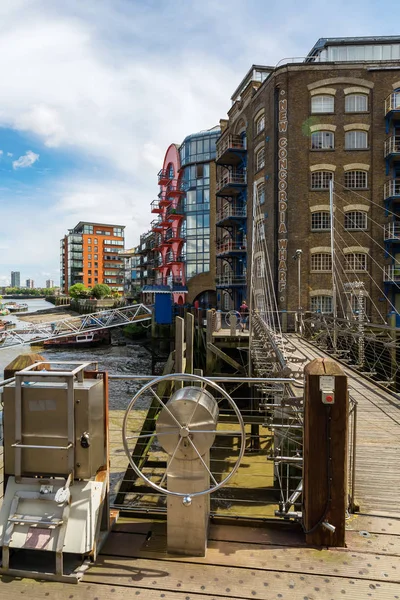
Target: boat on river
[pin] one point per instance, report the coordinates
(15, 307)
(81, 340)
(4, 311)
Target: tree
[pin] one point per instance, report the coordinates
(78, 290)
(100, 290)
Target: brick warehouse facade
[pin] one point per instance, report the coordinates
(299, 125)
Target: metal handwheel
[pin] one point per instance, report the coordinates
(186, 428)
(230, 314)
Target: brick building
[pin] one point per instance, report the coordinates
(291, 130)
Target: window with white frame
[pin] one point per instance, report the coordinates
(260, 158)
(355, 219)
(321, 304)
(322, 140)
(260, 231)
(226, 301)
(323, 104)
(355, 261)
(356, 139)
(320, 180)
(320, 221)
(261, 193)
(322, 261)
(260, 124)
(356, 103)
(356, 180)
(260, 270)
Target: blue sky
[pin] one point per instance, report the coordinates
(92, 93)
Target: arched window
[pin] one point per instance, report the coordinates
(356, 180)
(321, 304)
(356, 140)
(355, 261)
(355, 219)
(261, 193)
(322, 140)
(260, 159)
(321, 261)
(171, 171)
(260, 124)
(320, 180)
(322, 104)
(356, 103)
(320, 221)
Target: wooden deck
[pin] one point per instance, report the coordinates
(377, 485)
(241, 563)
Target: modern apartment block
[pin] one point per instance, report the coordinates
(129, 272)
(184, 230)
(291, 129)
(89, 254)
(30, 284)
(15, 279)
(49, 283)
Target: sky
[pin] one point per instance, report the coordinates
(94, 91)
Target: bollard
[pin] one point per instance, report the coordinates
(325, 453)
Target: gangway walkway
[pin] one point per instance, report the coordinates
(105, 319)
(377, 485)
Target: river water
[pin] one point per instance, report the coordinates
(133, 359)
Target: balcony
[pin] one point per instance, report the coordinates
(230, 150)
(173, 235)
(392, 274)
(392, 146)
(227, 281)
(392, 232)
(231, 184)
(165, 177)
(177, 212)
(176, 189)
(230, 214)
(164, 200)
(155, 207)
(392, 103)
(157, 225)
(392, 189)
(174, 257)
(231, 247)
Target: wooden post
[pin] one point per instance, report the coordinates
(179, 345)
(234, 323)
(325, 453)
(189, 335)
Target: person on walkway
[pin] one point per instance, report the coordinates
(244, 315)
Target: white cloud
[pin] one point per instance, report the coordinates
(1, 152)
(27, 160)
(10, 154)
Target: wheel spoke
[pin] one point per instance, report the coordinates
(149, 435)
(204, 464)
(216, 431)
(165, 407)
(170, 462)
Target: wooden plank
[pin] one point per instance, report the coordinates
(373, 524)
(225, 357)
(331, 563)
(189, 335)
(373, 542)
(39, 590)
(218, 581)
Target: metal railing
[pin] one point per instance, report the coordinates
(164, 176)
(231, 211)
(231, 246)
(392, 102)
(392, 231)
(229, 142)
(231, 280)
(391, 188)
(392, 145)
(232, 178)
(391, 273)
(155, 206)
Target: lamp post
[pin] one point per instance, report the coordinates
(297, 257)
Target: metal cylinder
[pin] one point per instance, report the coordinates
(195, 409)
